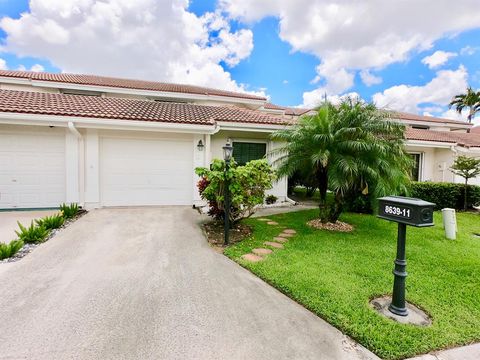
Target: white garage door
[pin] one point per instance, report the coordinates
(32, 169)
(146, 172)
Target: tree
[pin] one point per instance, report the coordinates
(467, 168)
(352, 147)
(248, 184)
(470, 100)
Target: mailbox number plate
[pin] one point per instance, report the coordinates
(398, 211)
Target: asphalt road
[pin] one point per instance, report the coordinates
(142, 283)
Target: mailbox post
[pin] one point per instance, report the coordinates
(404, 211)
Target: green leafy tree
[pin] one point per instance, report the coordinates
(467, 168)
(470, 100)
(349, 148)
(247, 185)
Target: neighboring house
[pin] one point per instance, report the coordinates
(103, 141)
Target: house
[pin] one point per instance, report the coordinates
(102, 141)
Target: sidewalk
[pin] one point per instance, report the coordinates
(469, 352)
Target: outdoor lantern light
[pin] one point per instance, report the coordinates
(227, 156)
(200, 145)
(227, 152)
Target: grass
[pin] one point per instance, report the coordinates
(336, 274)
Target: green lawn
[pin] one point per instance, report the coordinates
(336, 274)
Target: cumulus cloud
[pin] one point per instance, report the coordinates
(369, 79)
(314, 98)
(37, 68)
(438, 58)
(145, 39)
(350, 36)
(468, 50)
(3, 64)
(437, 92)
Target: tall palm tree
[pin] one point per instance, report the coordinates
(470, 100)
(352, 147)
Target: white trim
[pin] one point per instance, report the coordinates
(421, 163)
(430, 144)
(99, 123)
(223, 125)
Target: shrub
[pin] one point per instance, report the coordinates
(8, 250)
(51, 222)
(445, 195)
(271, 199)
(32, 234)
(247, 185)
(69, 211)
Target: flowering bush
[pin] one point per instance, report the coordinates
(247, 185)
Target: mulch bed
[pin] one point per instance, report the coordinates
(337, 226)
(28, 248)
(215, 235)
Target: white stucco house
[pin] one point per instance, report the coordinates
(102, 141)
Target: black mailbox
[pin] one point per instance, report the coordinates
(405, 210)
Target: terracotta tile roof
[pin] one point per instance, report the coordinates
(128, 109)
(414, 117)
(453, 137)
(288, 110)
(125, 83)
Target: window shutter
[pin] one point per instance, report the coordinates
(244, 152)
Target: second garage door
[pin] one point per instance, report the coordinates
(146, 172)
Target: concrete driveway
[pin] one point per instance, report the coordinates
(143, 284)
(8, 221)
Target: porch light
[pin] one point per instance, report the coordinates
(227, 152)
(200, 145)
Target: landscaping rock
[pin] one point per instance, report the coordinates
(280, 239)
(273, 244)
(337, 226)
(289, 231)
(261, 251)
(286, 235)
(272, 223)
(252, 257)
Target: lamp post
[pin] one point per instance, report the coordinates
(227, 156)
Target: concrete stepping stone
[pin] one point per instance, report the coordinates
(263, 219)
(289, 231)
(272, 223)
(261, 251)
(273, 244)
(252, 257)
(280, 239)
(286, 235)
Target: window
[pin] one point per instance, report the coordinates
(243, 152)
(421, 127)
(417, 158)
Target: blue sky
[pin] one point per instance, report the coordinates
(282, 66)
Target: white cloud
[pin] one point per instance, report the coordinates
(37, 68)
(348, 36)
(3, 64)
(369, 79)
(145, 39)
(314, 98)
(468, 50)
(438, 92)
(438, 58)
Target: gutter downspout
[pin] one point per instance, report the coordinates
(81, 162)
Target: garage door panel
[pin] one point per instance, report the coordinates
(146, 172)
(32, 169)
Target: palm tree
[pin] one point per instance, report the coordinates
(352, 147)
(470, 100)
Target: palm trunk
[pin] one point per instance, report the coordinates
(465, 205)
(322, 180)
(337, 208)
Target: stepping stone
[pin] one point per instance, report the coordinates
(261, 252)
(272, 223)
(273, 244)
(286, 235)
(252, 257)
(280, 239)
(289, 231)
(263, 219)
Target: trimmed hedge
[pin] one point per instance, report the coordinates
(445, 195)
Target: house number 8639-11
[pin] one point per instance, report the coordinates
(397, 211)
